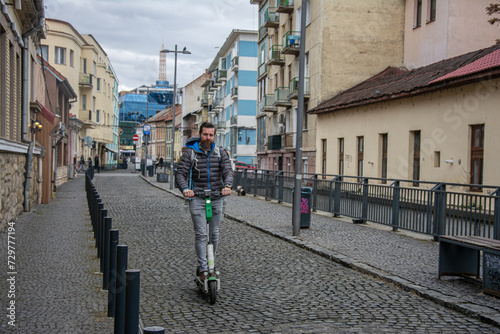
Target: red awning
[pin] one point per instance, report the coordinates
(49, 115)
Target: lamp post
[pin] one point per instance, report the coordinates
(175, 52)
(147, 117)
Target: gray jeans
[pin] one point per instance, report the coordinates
(197, 209)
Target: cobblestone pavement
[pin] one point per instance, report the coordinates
(269, 285)
(55, 286)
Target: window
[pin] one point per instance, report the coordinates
(341, 156)
(360, 155)
(97, 115)
(304, 125)
(98, 84)
(71, 58)
(432, 10)
(418, 13)
(90, 115)
(94, 65)
(476, 154)
(416, 157)
(44, 52)
(84, 65)
(84, 101)
(437, 159)
(323, 158)
(60, 55)
(383, 157)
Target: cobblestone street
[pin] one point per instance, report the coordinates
(267, 285)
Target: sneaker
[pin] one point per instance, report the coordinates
(202, 276)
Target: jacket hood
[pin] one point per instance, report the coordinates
(193, 140)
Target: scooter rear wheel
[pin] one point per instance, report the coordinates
(212, 289)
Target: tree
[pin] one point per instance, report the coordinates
(492, 9)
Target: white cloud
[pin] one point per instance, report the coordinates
(132, 32)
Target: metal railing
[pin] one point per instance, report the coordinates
(431, 208)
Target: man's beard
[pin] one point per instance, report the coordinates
(205, 145)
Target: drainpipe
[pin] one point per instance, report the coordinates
(25, 105)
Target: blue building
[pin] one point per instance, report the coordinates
(233, 91)
(141, 103)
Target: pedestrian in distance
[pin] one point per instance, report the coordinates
(96, 163)
(82, 164)
(204, 166)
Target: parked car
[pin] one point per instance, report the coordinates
(240, 165)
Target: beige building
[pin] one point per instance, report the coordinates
(346, 42)
(21, 26)
(193, 101)
(85, 64)
(435, 123)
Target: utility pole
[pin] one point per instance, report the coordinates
(300, 122)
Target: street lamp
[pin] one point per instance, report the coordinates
(175, 52)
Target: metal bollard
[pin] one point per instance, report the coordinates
(121, 267)
(113, 243)
(100, 228)
(132, 291)
(105, 253)
(155, 329)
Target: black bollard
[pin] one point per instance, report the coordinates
(105, 253)
(121, 267)
(113, 243)
(132, 291)
(155, 329)
(100, 232)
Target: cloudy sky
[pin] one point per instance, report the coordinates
(132, 32)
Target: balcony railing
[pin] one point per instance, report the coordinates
(234, 120)
(262, 71)
(262, 33)
(288, 140)
(271, 18)
(267, 104)
(285, 6)
(221, 125)
(204, 99)
(291, 42)
(85, 80)
(222, 75)
(281, 96)
(276, 57)
(294, 88)
(234, 63)
(274, 142)
(234, 92)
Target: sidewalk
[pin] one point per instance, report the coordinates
(408, 260)
(55, 286)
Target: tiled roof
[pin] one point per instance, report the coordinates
(394, 82)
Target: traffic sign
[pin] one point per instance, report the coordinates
(135, 137)
(146, 129)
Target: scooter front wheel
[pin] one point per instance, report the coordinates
(212, 289)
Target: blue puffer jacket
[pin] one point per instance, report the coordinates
(208, 170)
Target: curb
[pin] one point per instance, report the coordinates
(485, 314)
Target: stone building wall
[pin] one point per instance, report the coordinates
(12, 177)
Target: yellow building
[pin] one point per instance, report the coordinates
(81, 59)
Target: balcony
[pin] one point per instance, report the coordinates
(234, 63)
(271, 18)
(281, 96)
(267, 104)
(276, 57)
(288, 140)
(274, 142)
(291, 42)
(204, 99)
(285, 6)
(211, 86)
(234, 93)
(221, 76)
(262, 71)
(85, 80)
(294, 88)
(255, 2)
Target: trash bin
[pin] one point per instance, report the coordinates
(151, 170)
(162, 177)
(305, 207)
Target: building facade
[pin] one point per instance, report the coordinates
(231, 95)
(345, 43)
(81, 59)
(21, 25)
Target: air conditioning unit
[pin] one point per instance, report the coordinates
(281, 129)
(281, 118)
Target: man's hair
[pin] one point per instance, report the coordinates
(207, 125)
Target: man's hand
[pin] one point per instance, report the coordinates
(225, 191)
(188, 193)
